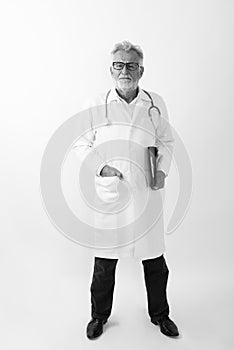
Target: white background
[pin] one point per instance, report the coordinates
(55, 54)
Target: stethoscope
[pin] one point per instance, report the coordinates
(149, 109)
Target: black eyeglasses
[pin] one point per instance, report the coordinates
(129, 65)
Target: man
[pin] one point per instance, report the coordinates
(128, 105)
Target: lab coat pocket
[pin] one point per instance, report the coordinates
(107, 188)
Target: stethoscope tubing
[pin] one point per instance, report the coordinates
(149, 109)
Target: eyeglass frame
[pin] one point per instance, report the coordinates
(126, 64)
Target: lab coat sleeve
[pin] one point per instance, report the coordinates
(84, 147)
(165, 140)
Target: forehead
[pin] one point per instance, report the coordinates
(124, 56)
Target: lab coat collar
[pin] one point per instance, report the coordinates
(114, 96)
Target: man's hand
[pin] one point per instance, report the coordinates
(160, 180)
(111, 171)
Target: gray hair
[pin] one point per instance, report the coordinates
(127, 46)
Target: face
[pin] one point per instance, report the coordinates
(126, 80)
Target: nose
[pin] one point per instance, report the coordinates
(124, 70)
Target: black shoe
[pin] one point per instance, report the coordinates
(167, 326)
(95, 328)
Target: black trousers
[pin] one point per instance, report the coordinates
(103, 282)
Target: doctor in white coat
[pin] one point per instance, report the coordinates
(128, 212)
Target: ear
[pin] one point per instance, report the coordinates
(111, 70)
(141, 71)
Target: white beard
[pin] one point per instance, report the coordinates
(127, 85)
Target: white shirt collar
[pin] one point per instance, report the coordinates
(114, 96)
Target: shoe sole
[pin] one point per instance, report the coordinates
(170, 335)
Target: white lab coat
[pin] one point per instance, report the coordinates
(127, 209)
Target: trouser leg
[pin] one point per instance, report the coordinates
(156, 275)
(102, 287)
